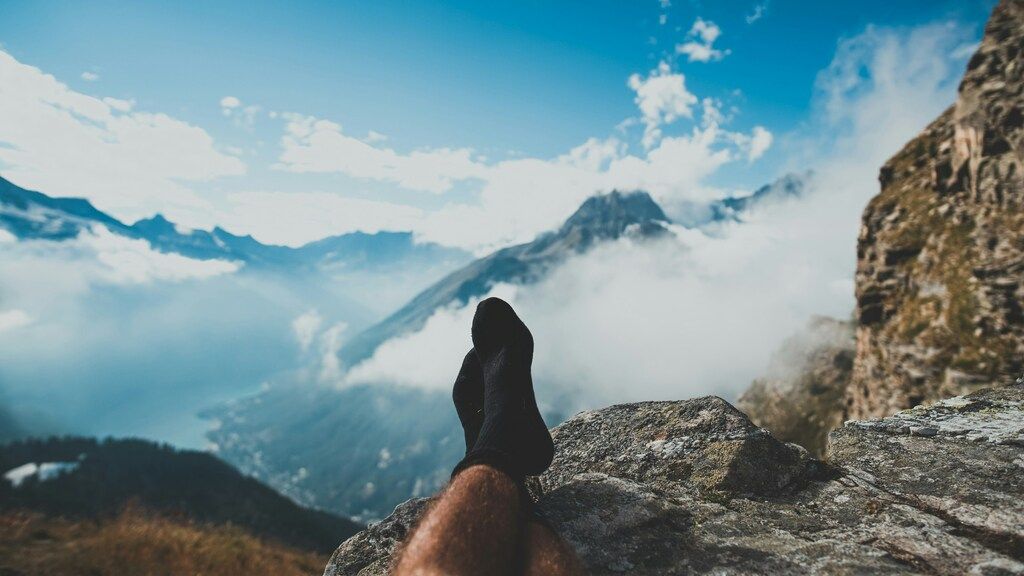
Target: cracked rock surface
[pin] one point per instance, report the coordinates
(692, 487)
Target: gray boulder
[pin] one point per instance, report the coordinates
(693, 487)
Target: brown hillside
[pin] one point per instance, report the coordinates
(141, 544)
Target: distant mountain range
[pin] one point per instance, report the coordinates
(34, 215)
(362, 449)
(600, 218)
(230, 333)
(735, 208)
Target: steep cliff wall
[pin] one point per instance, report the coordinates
(940, 258)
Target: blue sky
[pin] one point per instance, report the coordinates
(508, 81)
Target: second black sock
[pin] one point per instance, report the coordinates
(513, 435)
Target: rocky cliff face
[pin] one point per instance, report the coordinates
(693, 487)
(800, 398)
(940, 268)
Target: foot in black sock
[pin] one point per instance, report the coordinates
(513, 435)
(468, 394)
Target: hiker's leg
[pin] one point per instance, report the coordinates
(475, 525)
(473, 528)
(545, 553)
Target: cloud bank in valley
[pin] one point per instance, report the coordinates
(103, 335)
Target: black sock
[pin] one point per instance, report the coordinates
(513, 436)
(468, 394)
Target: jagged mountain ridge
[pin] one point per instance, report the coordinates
(34, 215)
(599, 218)
(708, 215)
(29, 214)
(788, 186)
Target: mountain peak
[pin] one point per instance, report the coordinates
(601, 218)
(155, 225)
(615, 211)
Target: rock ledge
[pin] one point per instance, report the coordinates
(692, 487)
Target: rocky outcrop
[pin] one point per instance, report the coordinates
(693, 487)
(940, 259)
(800, 398)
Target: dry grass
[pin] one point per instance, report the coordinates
(137, 543)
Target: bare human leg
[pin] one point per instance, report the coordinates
(476, 527)
(545, 553)
(480, 523)
(472, 528)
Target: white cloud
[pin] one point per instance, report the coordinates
(372, 137)
(756, 144)
(627, 322)
(701, 48)
(883, 86)
(7, 237)
(128, 162)
(13, 319)
(760, 141)
(96, 331)
(965, 50)
(706, 31)
(314, 145)
(425, 358)
(662, 98)
(90, 76)
(320, 346)
(99, 257)
(50, 284)
(125, 261)
(241, 116)
(595, 154)
(517, 198)
(665, 4)
(330, 343)
(119, 105)
(306, 327)
(523, 197)
(760, 11)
